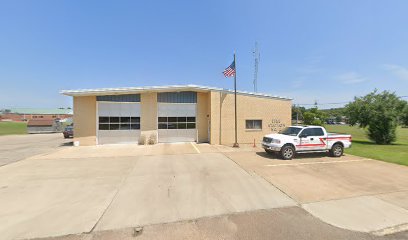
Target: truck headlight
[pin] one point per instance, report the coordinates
(276, 141)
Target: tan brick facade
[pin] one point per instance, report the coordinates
(148, 120)
(85, 120)
(274, 113)
(203, 116)
(214, 120)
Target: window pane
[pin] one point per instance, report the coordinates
(125, 119)
(124, 126)
(114, 119)
(190, 119)
(307, 132)
(134, 126)
(317, 132)
(248, 124)
(181, 125)
(135, 119)
(114, 126)
(258, 124)
(172, 126)
(103, 119)
(162, 125)
(253, 124)
(163, 119)
(172, 119)
(181, 119)
(190, 125)
(103, 126)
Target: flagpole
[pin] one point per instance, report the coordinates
(235, 97)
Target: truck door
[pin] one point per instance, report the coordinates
(312, 139)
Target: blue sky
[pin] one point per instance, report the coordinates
(328, 51)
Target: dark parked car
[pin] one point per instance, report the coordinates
(68, 132)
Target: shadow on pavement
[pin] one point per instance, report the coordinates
(275, 156)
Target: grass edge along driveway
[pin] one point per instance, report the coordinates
(363, 147)
(13, 128)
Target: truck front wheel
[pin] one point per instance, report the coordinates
(337, 150)
(287, 152)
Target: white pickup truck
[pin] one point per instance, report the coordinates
(301, 139)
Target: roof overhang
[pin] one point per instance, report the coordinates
(169, 88)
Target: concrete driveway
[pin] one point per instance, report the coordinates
(348, 192)
(74, 190)
(17, 147)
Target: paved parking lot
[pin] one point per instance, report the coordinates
(50, 196)
(349, 192)
(100, 189)
(14, 148)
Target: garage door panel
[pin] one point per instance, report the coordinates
(104, 109)
(117, 123)
(118, 136)
(177, 135)
(176, 110)
(177, 122)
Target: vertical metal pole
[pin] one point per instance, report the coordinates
(235, 96)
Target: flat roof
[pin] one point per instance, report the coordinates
(171, 88)
(49, 111)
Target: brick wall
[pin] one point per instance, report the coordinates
(274, 113)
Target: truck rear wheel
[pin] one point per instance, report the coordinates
(287, 152)
(337, 150)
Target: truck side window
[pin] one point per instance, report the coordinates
(317, 132)
(307, 132)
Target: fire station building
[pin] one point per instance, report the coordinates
(179, 113)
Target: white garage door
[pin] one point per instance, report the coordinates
(177, 122)
(118, 122)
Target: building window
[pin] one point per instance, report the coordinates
(177, 122)
(119, 123)
(253, 124)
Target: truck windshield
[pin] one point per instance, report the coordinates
(291, 131)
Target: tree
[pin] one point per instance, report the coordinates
(314, 117)
(404, 116)
(378, 112)
(297, 112)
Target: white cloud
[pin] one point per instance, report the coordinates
(399, 71)
(350, 78)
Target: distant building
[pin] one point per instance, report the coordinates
(43, 126)
(25, 114)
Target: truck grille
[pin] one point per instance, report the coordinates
(267, 140)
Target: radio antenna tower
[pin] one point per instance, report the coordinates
(257, 58)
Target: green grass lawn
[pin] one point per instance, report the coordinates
(12, 128)
(362, 146)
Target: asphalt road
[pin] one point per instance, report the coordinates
(14, 148)
(281, 223)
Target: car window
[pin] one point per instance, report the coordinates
(313, 132)
(317, 132)
(291, 131)
(307, 132)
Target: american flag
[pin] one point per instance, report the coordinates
(230, 71)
